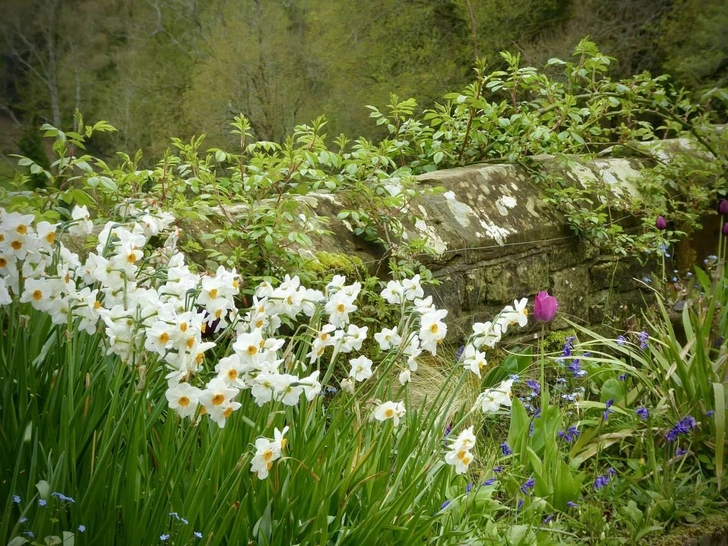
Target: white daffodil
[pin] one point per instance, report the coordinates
(389, 410)
(361, 368)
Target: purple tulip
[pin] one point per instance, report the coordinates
(725, 230)
(723, 207)
(661, 223)
(545, 307)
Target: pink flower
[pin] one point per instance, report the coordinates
(545, 307)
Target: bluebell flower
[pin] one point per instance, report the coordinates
(16, 499)
(520, 504)
(575, 368)
(710, 413)
(526, 487)
(459, 352)
(444, 505)
(498, 469)
(572, 504)
(570, 434)
(608, 409)
(643, 337)
(505, 449)
(548, 518)
(642, 412)
(621, 340)
(679, 452)
(468, 487)
(683, 426)
(622, 377)
(489, 481)
(600, 482)
(535, 386)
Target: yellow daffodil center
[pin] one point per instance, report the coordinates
(183, 401)
(213, 293)
(341, 308)
(22, 229)
(218, 399)
(37, 295)
(190, 342)
(252, 350)
(16, 245)
(51, 237)
(232, 374)
(434, 328)
(228, 412)
(3, 262)
(164, 337)
(97, 304)
(389, 413)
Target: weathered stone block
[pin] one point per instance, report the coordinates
(571, 287)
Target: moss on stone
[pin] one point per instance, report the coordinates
(709, 531)
(339, 264)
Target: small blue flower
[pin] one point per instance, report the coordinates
(489, 481)
(642, 412)
(505, 449)
(534, 385)
(710, 413)
(621, 340)
(514, 377)
(600, 482)
(22, 520)
(572, 504)
(197, 534)
(459, 352)
(622, 377)
(42, 502)
(184, 521)
(164, 537)
(445, 505)
(643, 337)
(29, 534)
(674, 279)
(81, 528)
(526, 487)
(16, 499)
(679, 452)
(498, 469)
(520, 504)
(548, 518)
(62, 497)
(647, 280)
(468, 487)
(608, 409)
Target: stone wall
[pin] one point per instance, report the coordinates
(495, 239)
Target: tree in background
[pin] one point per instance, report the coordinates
(158, 68)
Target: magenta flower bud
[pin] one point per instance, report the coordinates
(723, 207)
(725, 230)
(545, 307)
(661, 223)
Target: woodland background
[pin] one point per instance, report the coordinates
(161, 68)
